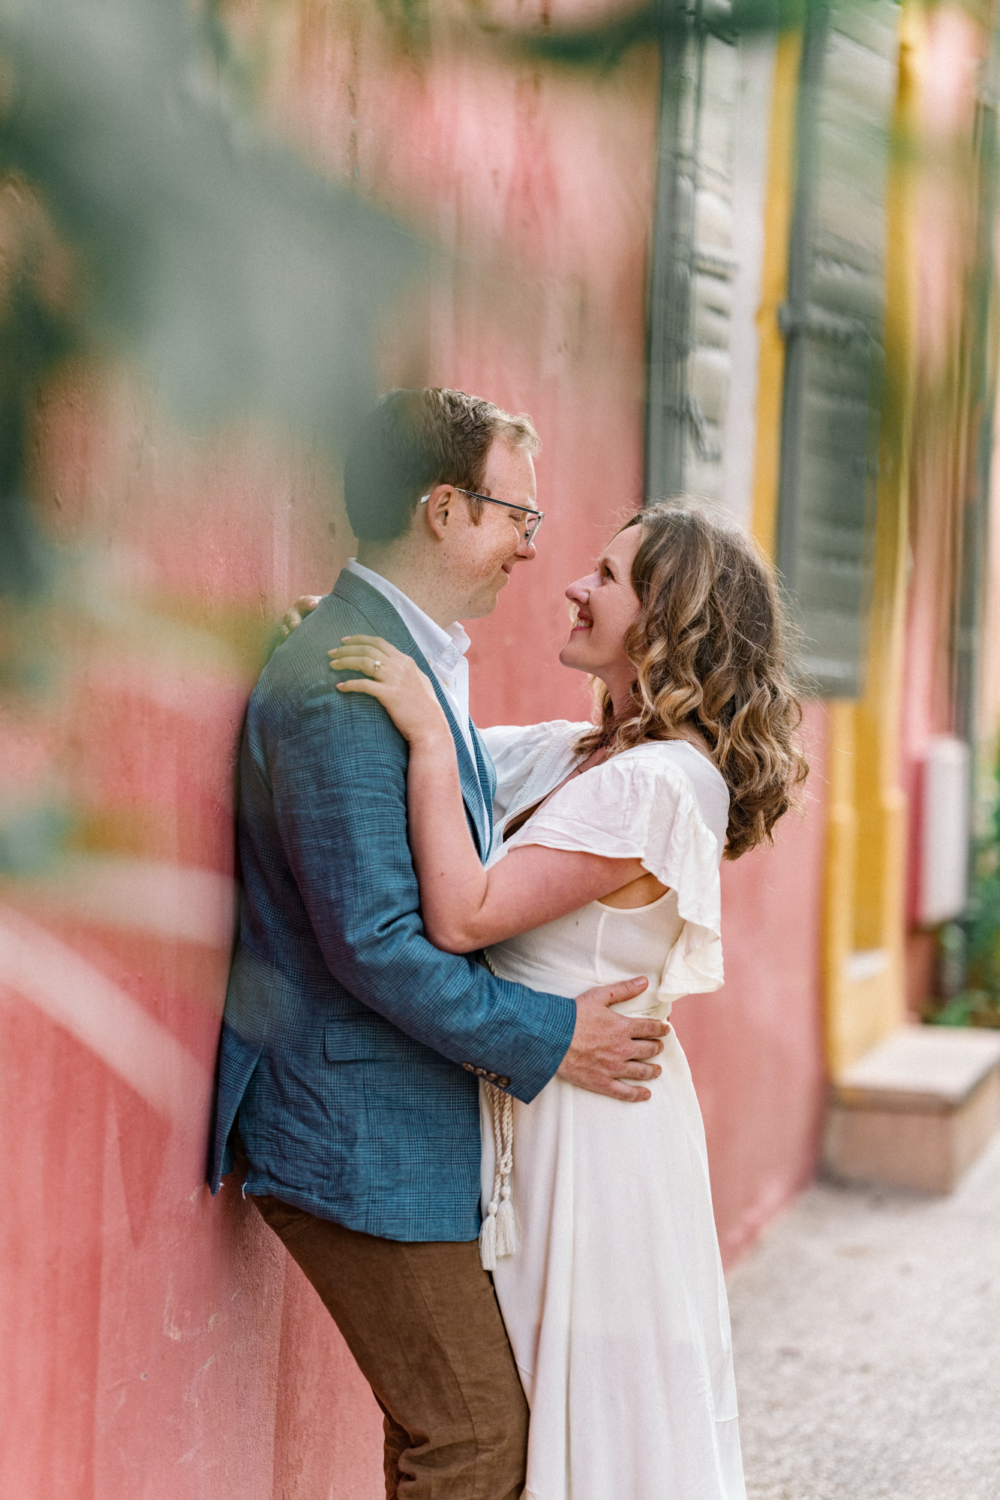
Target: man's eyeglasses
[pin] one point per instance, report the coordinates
(532, 518)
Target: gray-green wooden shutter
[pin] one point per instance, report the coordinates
(833, 325)
(693, 261)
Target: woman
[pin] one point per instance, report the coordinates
(612, 834)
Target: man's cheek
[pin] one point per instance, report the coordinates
(491, 565)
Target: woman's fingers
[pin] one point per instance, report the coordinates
(292, 618)
(365, 653)
(375, 641)
(353, 663)
(405, 692)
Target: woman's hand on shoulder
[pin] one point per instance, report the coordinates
(293, 617)
(405, 692)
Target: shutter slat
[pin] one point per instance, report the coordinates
(694, 262)
(833, 326)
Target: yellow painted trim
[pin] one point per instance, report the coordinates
(778, 208)
(866, 851)
(838, 884)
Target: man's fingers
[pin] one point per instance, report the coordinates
(646, 1026)
(628, 1093)
(643, 1051)
(612, 994)
(626, 989)
(645, 1071)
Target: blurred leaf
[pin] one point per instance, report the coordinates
(978, 1004)
(141, 210)
(32, 838)
(241, 276)
(603, 44)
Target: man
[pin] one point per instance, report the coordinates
(351, 1048)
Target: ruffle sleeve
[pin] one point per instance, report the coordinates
(642, 805)
(516, 751)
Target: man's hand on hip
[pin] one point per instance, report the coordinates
(609, 1051)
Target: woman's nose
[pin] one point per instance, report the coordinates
(579, 591)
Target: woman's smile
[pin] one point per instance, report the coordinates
(604, 605)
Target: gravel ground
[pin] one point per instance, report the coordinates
(867, 1337)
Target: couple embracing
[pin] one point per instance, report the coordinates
(447, 1072)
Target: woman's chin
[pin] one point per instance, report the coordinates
(572, 656)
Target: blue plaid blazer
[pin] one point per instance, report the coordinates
(348, 1040)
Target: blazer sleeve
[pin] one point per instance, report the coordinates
(338, 777)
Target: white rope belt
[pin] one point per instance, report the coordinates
(498, 1235)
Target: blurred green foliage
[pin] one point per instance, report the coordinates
(240, 277)
(972, 945)
(603, 43)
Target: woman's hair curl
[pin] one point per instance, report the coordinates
(709, 649)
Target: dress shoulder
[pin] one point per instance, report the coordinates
(657, 804)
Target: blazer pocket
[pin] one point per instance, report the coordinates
(350, 1041)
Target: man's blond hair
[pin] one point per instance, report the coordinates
(414, 439)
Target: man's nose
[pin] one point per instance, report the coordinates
(526, 552)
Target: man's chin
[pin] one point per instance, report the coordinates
(481, 606)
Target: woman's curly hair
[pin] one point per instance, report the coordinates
(709, 649)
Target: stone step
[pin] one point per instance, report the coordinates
(917, 1110)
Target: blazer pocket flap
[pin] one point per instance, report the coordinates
(350, 1040)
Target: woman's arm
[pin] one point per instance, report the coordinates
(465, 906)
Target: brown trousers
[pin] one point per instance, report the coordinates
(422, 1321)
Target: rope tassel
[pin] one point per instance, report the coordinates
(488, 1239)
(498, 1236)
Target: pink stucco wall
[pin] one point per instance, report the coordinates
(157, 1343)
(756, 1047)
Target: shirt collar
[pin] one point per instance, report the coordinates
(441, 645)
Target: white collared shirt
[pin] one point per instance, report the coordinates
(444, 647)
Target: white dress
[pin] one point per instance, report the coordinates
(614, 1299)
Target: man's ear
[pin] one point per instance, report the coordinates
(439, 509)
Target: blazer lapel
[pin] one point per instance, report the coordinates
(386, 622)
(487, 776)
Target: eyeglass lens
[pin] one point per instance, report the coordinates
(532, 520)
(530, 524)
